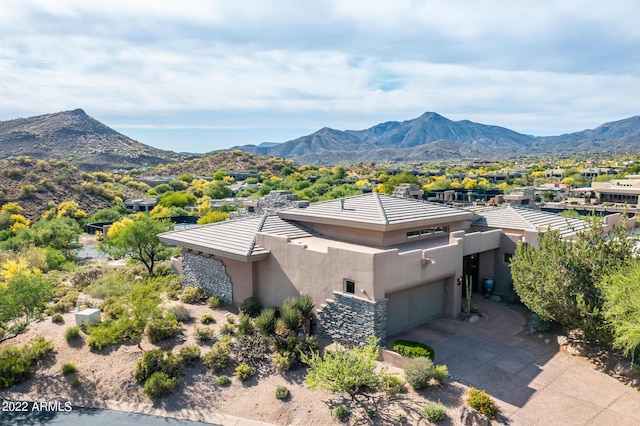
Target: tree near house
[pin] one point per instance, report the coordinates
(138, 238)
(559, 279)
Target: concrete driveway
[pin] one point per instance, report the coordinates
(533, 382)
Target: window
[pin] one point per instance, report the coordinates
(508, 257)
(349, 286)
(428, 231)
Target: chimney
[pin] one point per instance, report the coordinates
(341, 203)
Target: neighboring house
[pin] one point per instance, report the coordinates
(141, 204)
(373, 263)
(619, 191)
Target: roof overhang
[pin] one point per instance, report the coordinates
(214, 252)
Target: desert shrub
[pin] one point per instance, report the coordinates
(341, 412)
(246, 325)
(283, 360)
(113, 308)
(392, 385)
(203, 333)
(266, 322)
(482, 403)
(68, 368)
(418, 372)
(16, 363)
(411, 349)
(244, 372)
(71, 333)
(189, 355)
(181, 312)
(154, 361)
(440, 374)
(57, 318)
(82, 279)
(227, 329)
(434, 412)
(75, 382)
(249, 349)
(161, 328)
(112, 332)
(192, 295)
(250, 306)
(206, 319)
(217, 358)
(223, 381)
(214, 302)
(159, 385)
(282, 393)
(231, 319)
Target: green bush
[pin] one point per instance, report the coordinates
(189, 354)
(392, 384)
(283, 360)
(411, 349)
(206, 319)
(75, 382)
(227, 329)
(418, 372)
(434, 412)
(223, 381)
(71, 333)
(482, 403)
(181, 312)
(341, 412)
(16, 363)
(192, 295)
(440, 373)
(250, 306)
(244, 372)
(159, 385)
(215, 302)
(282, 393)
(161, 328)
(203, 333)
(68, 368)
(217, 358)
(57, 319)
(246, 326)
(539, 324)
(154, 361)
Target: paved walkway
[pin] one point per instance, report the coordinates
(534, 382)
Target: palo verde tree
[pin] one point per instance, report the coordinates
(342, 370)
(138, 238)
(558, 279)
(22, 299)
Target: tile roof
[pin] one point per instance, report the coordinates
(511, 217)
(233, 238)
(376, 209)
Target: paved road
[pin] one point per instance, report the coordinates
(19, 413)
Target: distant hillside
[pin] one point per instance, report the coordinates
(236, 160)
(433, 137)
(34, 184)
(78, 138)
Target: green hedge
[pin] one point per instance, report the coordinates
(16, 363)
(412, 349)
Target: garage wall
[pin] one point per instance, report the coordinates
(414, 306)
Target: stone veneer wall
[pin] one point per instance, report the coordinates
(269, 204)
(207, 273)
(350, 320)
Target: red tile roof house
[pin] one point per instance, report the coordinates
(373, 263)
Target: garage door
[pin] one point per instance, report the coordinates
(413, 307)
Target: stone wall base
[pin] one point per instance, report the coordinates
(207, 273)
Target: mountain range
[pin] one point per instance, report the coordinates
(76, 137)
(434, 137)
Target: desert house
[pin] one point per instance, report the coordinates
(373, 263)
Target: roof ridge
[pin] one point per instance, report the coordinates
(260, 225)
(383, 213)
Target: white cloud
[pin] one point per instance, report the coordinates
(535, 66)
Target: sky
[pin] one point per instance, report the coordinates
(201, 75)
